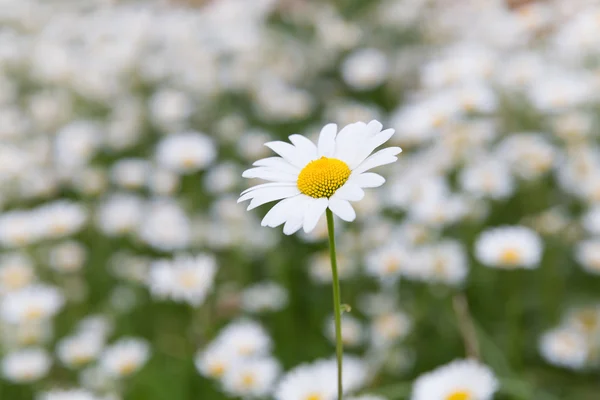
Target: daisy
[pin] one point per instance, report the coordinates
(310, 178)
(125, 357)
(459, 380)
(26, 365)
(76, 351)
(263, 297)
(215, 361)
(252, 378)
(32, 303)
(509, 247)
(186, 152)
(71, 394)
(588, 255)
(185, 279)
(565, 347)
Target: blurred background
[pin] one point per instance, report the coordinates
(126, 265)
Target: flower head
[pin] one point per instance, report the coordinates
(310, 178)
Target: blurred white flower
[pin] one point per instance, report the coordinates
(565, 347)
(317, 380)
(353, 332)
(254, 378)
(125, 357)
(509, 247)
(16, 272)
(166, 226)
(245, 338)
(119, 214)
(487, 178)
(184, 279)
(27, 365)
(70, 394)
(130, 173)
(80, 349)
(365, 69)
(263, 297)
(186, 152)
(32, 303)
(75, 144)
(69, 256)
(459, 380)
(388, 328)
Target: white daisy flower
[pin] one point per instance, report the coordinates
(389, 328)
(76, 351)
(26, 365)
(588, 255)
(26, 334)
(186, 152)
(33, 303)
(252, 378)
(67, 256)
(264, 296)
(125, 357)
(591, 220)
(390, 261)
(245, 338)
(443, 262)
(187, 279)
(365, 69)
(509, 247)
(61, 218)
(166, 226)
(459, 380)
(70, 394)
(317, 380)
(16, 272)
(367, 397)
(215, 361)
(565, 347)
(119, 214)
(353, 332)
(310, 178)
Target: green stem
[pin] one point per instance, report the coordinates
(337, 303)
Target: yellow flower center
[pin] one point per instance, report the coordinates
(322, 177)
(216, 370)
(35, 312)
(248, 381)
(188, 279)
(459, 395)
(314, 396)
(510, 256)
(128, 367)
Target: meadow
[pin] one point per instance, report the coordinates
(469, 267)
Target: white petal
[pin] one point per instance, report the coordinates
(374, 127)
(342, 209)
(296, 219)
(289, 153)
(350, 191)
(269, 174)
(367, 180)
(313, 213)
(264, 185)
(266, 195)
(305, 145)
(277, 163)
(371, 144)
(281, 211)
(349, 142)
(327, 140)
(382, 157)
